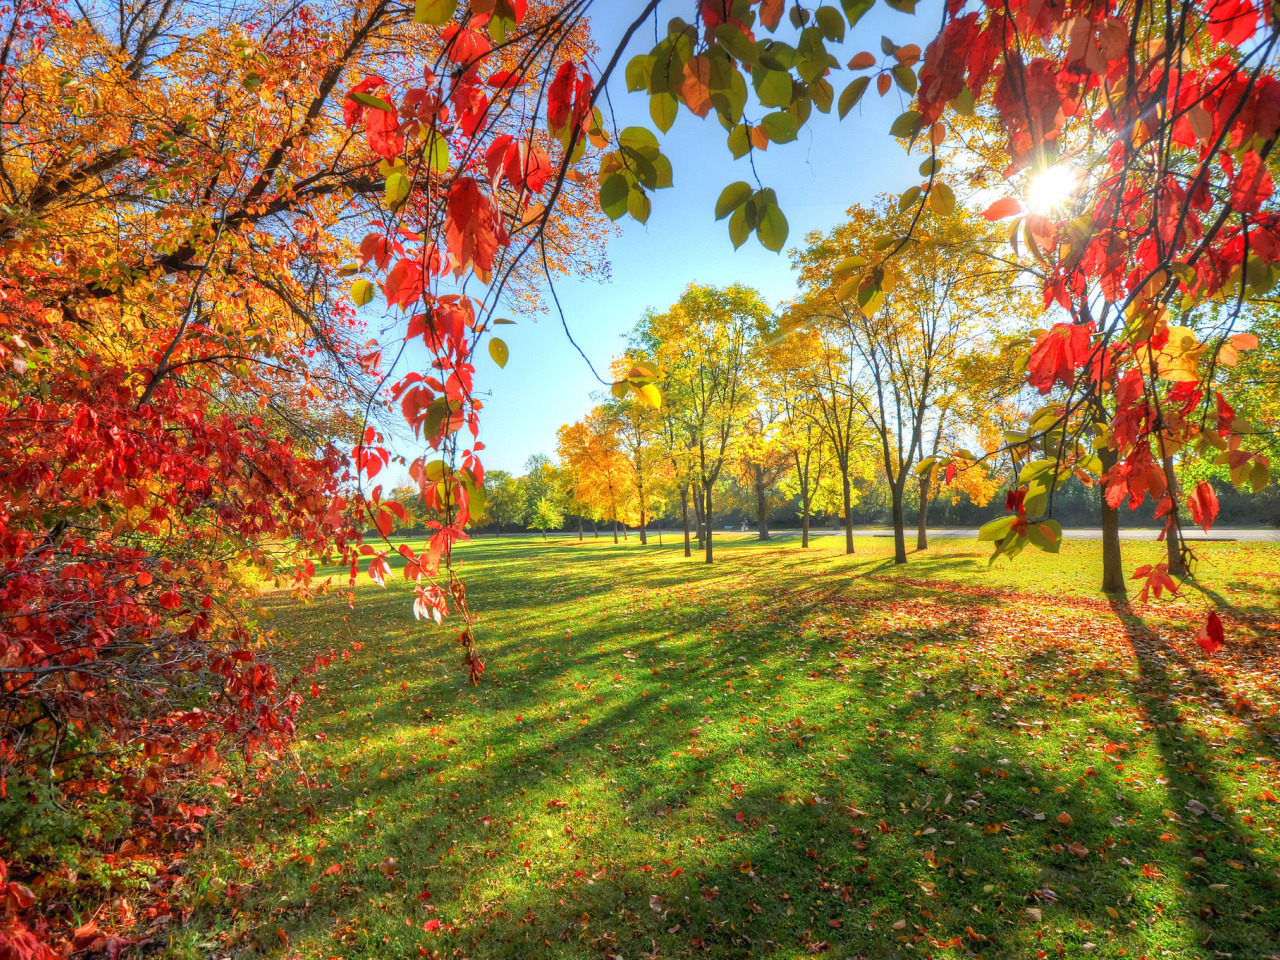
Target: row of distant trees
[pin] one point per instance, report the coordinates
(834, 406)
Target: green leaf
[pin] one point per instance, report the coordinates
(1047, 535)
(369, 100)
(963, 102)
(854, 9)
(498, 350)
(663, 108)
(613, 196)
(907, 125)
(361, 292)
(662, 172)
(905, 78)
(732, 197)
(902, 6)
(437, 154)
(908, 199)
(925, 465)
(434, 12)
(942, 200)
(930, 167)
(849, 264)
(773, 228)
(781, 126)
(740, 141)
(639, 69)
(1035, 469)
(397, 189)
(822, 94)
(619, 389)
(995, 529)
(739, 229)
(641, 140)
(737, 43)
(773, 87)
(638, 205)
(830, 23)
(503, 320)
(851, 94)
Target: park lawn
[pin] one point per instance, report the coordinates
(788, 753)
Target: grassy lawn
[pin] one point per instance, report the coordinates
(786, 754)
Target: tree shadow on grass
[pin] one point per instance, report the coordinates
(1229, 896)
(905, 779)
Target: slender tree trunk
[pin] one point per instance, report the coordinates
(762, 504)
(644, 540)
(1172, 540)
(544, 533)
(625, 534)
(804, 521)
(699, 524)
(684, 516)
(579, 527)
(922, 536)
(707, 515)
(899, 523)
(1112, 565)
(615, 529)
(848, 513)
(595, 530)
(659, 531)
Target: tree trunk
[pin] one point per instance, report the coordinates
(698, 515)
(684, 516)
(804, 520)
(544, 533)
(848, 514)
(707, 516)
(922, 536)
(762, 502)
(1177, 567)
(579, 527)
(899, 523)
(615, 529)
(1112, 565)
(644, 540)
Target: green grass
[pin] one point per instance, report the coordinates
(788, 753)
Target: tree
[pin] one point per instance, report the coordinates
(823, 364)
(410, 501)
(907, 336)
(702, 345)
(506, 499)
(759, 462)
(637, 426)
(546, 515)
(591, 449)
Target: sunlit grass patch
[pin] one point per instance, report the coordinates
(787, 753)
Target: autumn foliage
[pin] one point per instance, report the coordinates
(193, 210)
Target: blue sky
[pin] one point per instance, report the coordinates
(833, 165)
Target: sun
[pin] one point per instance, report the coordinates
(1051, 188)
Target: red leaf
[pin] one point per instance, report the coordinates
(1058, 354)
(1002, 208)
(1231, 22)
(1204, 504)
(382, 127)
(1211, 637)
